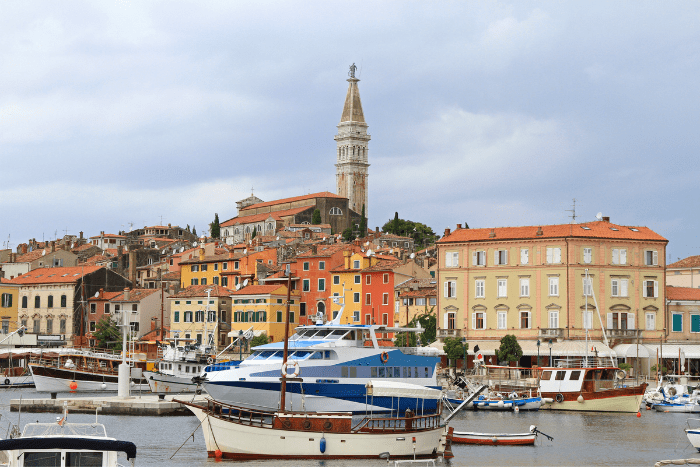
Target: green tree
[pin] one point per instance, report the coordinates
(259, 340)
(428, 322)
(316, 217)
(363, 223)
(194, 230)
(349, 234)
(510, 350)
(214, 227)
(421, 234)
(255, 232)
(454, 349)
(107, 334)
(188, 227)
(395, 226)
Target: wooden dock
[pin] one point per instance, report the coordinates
(149, 405)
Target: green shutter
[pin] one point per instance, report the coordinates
(677, 323)
(694, 323)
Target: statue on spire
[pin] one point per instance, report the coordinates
(352, 70)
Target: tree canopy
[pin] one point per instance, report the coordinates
(214, 227)
(363, 223)
(349, 234)
(316, 217)
(259, 340)
(510, 350)
(454, 349)
(427, 321)
(107, 334)
(421, 234)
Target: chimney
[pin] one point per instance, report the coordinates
(606, 218)
(154, 322)
(447, 232)
(493, 233)
(201, 254)
(314, 249)
(102, 292)
(53, 246)
(132, 266)
(24, 248)
(127, 294)
(120, 250)
(170, 226)
(459, 226)
(230, 254)
(81, 235)
(539, 232)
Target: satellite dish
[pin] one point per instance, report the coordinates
(391, 251)
(599, 216)
(278, 237)
(366, 243)
(369, 252)
(97, 294)
(238, 286)
(182, 248)
(194, 244)
(43, 253)
(245, 251)
(245, 283)
(413, 255)
(162, 252)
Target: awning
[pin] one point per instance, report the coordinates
(562, 348)
(671, 350)
(631, 351)
(382, 388)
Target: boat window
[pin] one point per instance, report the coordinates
(382, 372)
(350, 336)
(560, 375)
(300, 355)
(427, 372)
(38, 459)
(353, 372)
(397, 372)
(338, 333)
(373, 372)
(343, 372)
(575, 375)
(276, 356)
(322, 334)
(262, 355)
(255, 355)
(83, 459)
(328, 354)
(406, 370)
(316, 356)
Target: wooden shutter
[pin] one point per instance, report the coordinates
(610, 320)
(446, 287)
(473, 258)
(474, 320)
(623, 288)
(455, 259)
(656, 289)
(495, 256)
(630, 321)
(656, 258)
(549, 255)
(615, 256)
(623, 256)
(506, 257)
(557, 255)
(644, 289)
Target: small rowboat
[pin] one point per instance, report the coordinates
(497, 439)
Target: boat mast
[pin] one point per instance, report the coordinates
(283, 388)
(585, 314)
(602, 326)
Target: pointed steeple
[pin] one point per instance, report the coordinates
(352, 111)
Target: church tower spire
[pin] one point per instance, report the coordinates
(352, 138)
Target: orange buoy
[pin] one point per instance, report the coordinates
(218, 453)
(648, 408)
(639, 414)
(73, 385)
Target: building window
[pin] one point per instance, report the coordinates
(356, 316)
(588, 320)
(450, 320)
(204, 267)
(524, 320)
(368, 279)
(306, 285)
(432, 301)
(306, 266)
(618, 287)
(204, 281)
(651, 258)
(235, 265)
(502, 320)
(356, 264)
(677, 322)
(502, 288)
(553, 286)
(336, 212)
(216, 266)
(694, 323)
(587, 287)
(356, 297)
(385, 299)
(587, 255)
(176, 317)
(386, 278)
(5, 326)
(420, 301)
(63, 301)
(194, 281)
(336, 280)
(215, 280)
(478, 320)
(553, 319)
(500, 257)
(106, 308)
(24, 302)
(224, 266)
(553, 255)
(385, 319)
(6, 300)
(49, 326)
(650, 289)
(194, 268)
(357, 280)
(480, 286)
(93, 308)
(62, 326)
(619, 256)
(450, 289)
(368, 299)
(524, 287)
(37, 302)
(321, 285)
(479, 258)
(524, 256)
(321, 265)
(187, 317)
(620, 320)
(49, 303)
(452, 259)
(36, 326)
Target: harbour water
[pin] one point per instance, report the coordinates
(580, 439)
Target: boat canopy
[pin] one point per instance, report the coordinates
(380, 388)
(77, 444)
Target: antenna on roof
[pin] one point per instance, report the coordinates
(599, 216)
(573, 211)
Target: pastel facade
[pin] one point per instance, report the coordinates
(201, 310)
(684, 273)
(263, 307)
(9, 299)
(684, 315)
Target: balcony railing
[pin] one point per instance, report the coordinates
(618, 333)
(551, 332)
(448, 333)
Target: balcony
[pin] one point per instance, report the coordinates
(442, 333)
(622, 333)
(552, 332)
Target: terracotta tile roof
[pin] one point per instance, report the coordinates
(258, 290)
(96, 259)
(598, 229)
(207, 259)
(5, 281)
(326, 250)
(106, 296)
(277, 215)
(108, 236)
(689, 262)
(171, 276)
(201, 291)
(385, 265)
(135, 295)
(83, 247)
(323, 194)
(682, 293)
(393, 237)
(32, 256)
(54, 275)
(309, 226)
(419, 293)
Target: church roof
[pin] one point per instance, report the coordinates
(352, 110)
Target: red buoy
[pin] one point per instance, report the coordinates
(639, 414)
(73, 385)
(218, 454)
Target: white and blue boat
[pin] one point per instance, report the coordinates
(331, 364)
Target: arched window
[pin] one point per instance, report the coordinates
(226, 233)
(336, 212)
(270, 226)
(24, 302)
(63, 301)
(50, 302)
(236, 231)
(37, 302)
(247, 229)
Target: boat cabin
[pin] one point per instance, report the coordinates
(578, 379)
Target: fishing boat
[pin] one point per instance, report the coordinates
(498, 439)
(78, 370)
(693, 434)
(14, 372)
(64, 444)
(509, 388)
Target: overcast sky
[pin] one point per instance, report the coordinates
(114, 114)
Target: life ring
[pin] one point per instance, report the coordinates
(7, 381)
(210, 360)
(621, 374)
(327, 426)
(672, 391)
(307, 424)
(560, 397)
(384, 357)
(287, 424)
(295, 364)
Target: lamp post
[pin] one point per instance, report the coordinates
(550, 352)
(240, 345)
(464, 344)
(538, 353)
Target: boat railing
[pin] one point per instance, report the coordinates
(391, 424)
(240, 415)
(583, 362)
(55, 362)
(66, 429)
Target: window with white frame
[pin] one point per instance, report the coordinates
(368, 299)
(553, 255)
(336, 280)
(588, 255)
(677, 322)
(306, 286)
(321, 265)
(356, 297)
(368, 279)
(502, 288)
(451, 259)
(432, 301)
(524, 255)
(450, 289)
(587, 320)
(322, 285)
(650, 321)
(420, 301)
(479, 258)
(385, 299)
(524, 319)
(386, 278)
(651, 258)
(500, 257)
(617, 320)
(480, 287)
(553, 319)
(356, 316)
(553, 286)
(502, 320)
(650, 288)
(479, 320)
(587, 287)
(356, 264)
(450, 320)
(619, 256)
(524, 287)
(357, 280)
(618, 287)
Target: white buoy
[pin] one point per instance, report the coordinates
(579, 399)
(517, 409)
(104, 386)
(501, 403)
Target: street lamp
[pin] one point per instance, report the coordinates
(538, 353)
(464, 344)
(240, 345)
(550, 352)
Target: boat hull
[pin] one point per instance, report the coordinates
(244, 442)
(59, 380)
(693, 435)
(624, 403)
(167, 384)
(692, 407)
(494, 439)
(24, 381)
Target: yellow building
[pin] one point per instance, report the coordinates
(9, 297)
(347, 279)
(206, 268)
(414, 297)
(262, 307)
(188, 314)
(531, 282)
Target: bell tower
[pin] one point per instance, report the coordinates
(352, 138)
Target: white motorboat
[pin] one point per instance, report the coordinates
(64, 444)
(498, 439)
